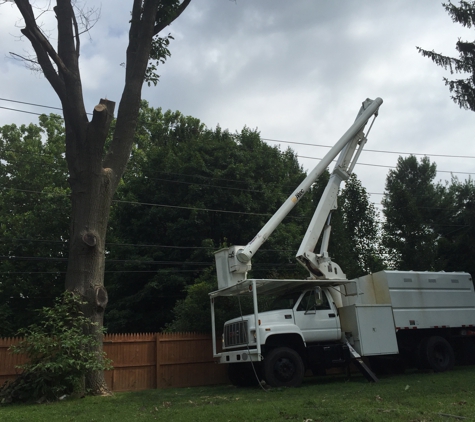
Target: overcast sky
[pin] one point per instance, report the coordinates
(297, 70)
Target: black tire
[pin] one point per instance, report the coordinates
(436, 353)
(242, 375)
(283, 367)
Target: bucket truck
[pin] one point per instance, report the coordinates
(326, 320)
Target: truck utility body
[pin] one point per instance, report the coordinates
(378, 307)
(421, 318)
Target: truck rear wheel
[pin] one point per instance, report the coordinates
(283, 367)
(436, 353)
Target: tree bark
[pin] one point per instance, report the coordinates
(91, 196)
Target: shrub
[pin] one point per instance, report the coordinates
(59, 352)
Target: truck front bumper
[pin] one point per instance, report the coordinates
(239, 356)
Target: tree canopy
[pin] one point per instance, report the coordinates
(428, 225)
(189, 191)
(410, 206)
(34, 214)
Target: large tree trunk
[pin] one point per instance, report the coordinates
(95, 173)
(92, 192)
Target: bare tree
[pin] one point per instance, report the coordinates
(94, 173)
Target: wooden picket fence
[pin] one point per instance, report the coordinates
(145, 361)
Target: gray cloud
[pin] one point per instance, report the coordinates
(296, 70)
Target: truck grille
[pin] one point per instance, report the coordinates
(235, 333)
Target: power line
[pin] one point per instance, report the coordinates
(157, 205)
(372, 150)
(392, 167)
(106, 272)
(141, 245)
(21, 111)
(32, 104)
(192, 208)
(264, 139)
(109, 261)
(239, 181)
(183, 207)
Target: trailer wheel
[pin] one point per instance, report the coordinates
(242, 375)
(436, 353)
(283, 367)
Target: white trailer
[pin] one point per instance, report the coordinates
(427, 319)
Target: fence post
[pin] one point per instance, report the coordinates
(157, 360)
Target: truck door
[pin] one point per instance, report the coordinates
(316, 317)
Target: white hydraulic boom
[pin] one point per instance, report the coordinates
(234, 262)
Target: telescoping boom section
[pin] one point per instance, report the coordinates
(233, 263)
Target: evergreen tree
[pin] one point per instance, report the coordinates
(463, 89)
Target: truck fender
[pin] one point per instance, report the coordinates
(278, 334)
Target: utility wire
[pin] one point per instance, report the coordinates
(21, 111)
(264, 139)
(372, 150)
(392, 167)
(188, 208)
(238, 181)
(300, 156)
(32, 104)
(141, 245)
(157, 205)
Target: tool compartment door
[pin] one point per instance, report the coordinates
(370, 329)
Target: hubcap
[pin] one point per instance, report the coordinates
(284, 369)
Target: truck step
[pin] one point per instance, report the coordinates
(363, 368)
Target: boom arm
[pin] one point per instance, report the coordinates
(239, 257)
(320, 265)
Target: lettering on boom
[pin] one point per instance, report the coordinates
(297, 196)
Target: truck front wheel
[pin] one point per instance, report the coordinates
(283, 367)
(436, 353)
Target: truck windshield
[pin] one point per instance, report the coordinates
(286, 301)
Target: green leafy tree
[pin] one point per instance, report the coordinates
(34, 213)
(456, 247)
(411, 203)
(363, 251)
(189, 191)
(463, 89)
(95, 170)
(59, 354)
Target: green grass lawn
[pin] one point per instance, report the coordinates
(413, 397)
